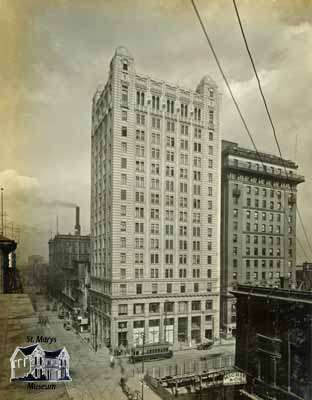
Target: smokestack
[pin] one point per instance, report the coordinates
(77, 226)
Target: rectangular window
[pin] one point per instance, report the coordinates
(124, 95)
(123, 163)
(139, 288)
(124, 115)
(123, 194)
(124, 131)
(123, 309)
(123, 289)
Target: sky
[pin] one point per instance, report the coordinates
(55, 53)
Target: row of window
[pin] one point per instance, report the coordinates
(169, 200)
(169, 105)
(182, 307)
(168, 258)
(155, 155)
(168, 273)
(264, 239)
(169, 214)
(140, 149)
(265, 204)
(154, 289)
(155, 137)
(155, 243)
(256, 275)
(264, 215)
(264, 227)
(169, 186)
(170, 170)
(264, 252)
(258, 180)
(264, 263)
(264, 192)
(259, 167)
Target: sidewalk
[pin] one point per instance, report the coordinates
(136, 384)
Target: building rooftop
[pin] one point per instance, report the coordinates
(232, 148)
(28, 349)
(288, 295)
(59, 236)
(5, 239)
(209, 80)
(53, 354)
(123, 51)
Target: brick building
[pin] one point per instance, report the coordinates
(258, 223)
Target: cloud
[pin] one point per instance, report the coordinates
(26, 190)
(57, 52)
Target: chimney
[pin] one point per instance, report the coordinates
(77, 226)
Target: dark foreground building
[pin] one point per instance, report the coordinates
(9, 275)
(304, 276)
(274, 342)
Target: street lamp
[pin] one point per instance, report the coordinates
(165, 320)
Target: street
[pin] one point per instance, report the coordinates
(92, 376)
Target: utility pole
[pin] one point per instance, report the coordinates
(96, 333)
(2, 226)
(142, 395)
(5, 227)
(165, 321)
(289, 361)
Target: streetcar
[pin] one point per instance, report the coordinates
(155, 351)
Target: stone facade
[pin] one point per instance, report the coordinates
(155, 194)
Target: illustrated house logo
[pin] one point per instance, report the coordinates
(32, 363)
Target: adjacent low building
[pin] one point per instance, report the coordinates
(69, 270)
(274, 342)
(258, 223)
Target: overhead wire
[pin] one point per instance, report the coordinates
(268, 112)
(232, 95)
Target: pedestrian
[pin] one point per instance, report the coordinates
(112, 361)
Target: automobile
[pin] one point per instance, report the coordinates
(66, 325)
(205, 345)
(61, 315)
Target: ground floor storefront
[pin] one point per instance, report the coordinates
(182, 323)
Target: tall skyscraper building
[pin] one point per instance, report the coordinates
(258, 223)
(155, 215)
